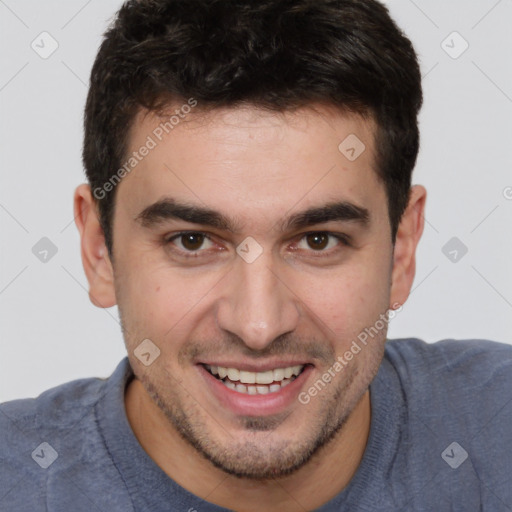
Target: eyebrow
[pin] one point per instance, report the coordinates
(171, 209)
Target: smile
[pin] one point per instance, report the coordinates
(255, 383)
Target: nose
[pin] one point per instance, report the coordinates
(257, 305)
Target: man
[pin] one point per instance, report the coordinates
(250, 211)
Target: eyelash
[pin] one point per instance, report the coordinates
(344, 239)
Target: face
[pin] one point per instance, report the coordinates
(289, 262)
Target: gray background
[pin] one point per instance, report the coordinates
(50, 332)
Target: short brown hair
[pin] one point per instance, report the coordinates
(277, 54)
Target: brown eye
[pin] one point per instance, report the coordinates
(317, 241)
(323, 243)
(192, 241)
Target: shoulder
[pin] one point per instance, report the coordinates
(456, 418)
(468, 377)
(52, 445)
(57, 408)
(475, 361)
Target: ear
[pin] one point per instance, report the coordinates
(97, 265)
(407, 238)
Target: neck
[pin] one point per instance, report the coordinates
(317, 482)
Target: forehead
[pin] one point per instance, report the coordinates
(258, 162)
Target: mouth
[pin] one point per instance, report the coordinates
(255, 393)
(255, 383)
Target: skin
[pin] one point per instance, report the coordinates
(256, 167)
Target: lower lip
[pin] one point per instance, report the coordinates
(255, 405)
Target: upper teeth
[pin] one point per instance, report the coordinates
(245, 377)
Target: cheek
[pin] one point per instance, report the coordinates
(344, 301)
(142, 296)
(164, 303)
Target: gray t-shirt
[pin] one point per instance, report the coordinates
(440, 440)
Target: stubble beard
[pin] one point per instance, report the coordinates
(262, 458)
